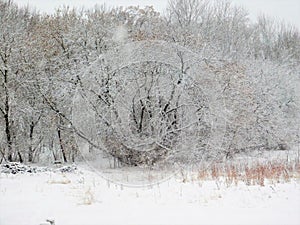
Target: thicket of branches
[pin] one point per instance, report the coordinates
(257, 66)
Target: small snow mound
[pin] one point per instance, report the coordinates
(67, 169)
(16, 168)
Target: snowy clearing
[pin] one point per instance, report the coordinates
(83, 197)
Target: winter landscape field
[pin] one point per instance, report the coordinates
(138, 115)
(79, 195)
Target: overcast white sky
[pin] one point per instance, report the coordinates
(288, 10)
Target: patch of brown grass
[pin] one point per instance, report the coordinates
(252, 174)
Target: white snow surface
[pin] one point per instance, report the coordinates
(83, 198)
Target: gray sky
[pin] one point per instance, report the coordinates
(289, 10)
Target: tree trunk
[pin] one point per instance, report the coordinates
(61, 145)
(20, 157)
(6, 118)
(8, 138)
(31, 150)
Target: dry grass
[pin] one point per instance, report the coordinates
(251, 174)
(88, 198)
(59, 180)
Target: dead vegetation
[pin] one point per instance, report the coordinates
(255, 173)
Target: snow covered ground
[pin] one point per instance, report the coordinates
(83, 197)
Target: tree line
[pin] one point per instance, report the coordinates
(42, 56)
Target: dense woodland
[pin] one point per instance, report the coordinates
(255, 67)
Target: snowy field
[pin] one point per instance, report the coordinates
(83, 197)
